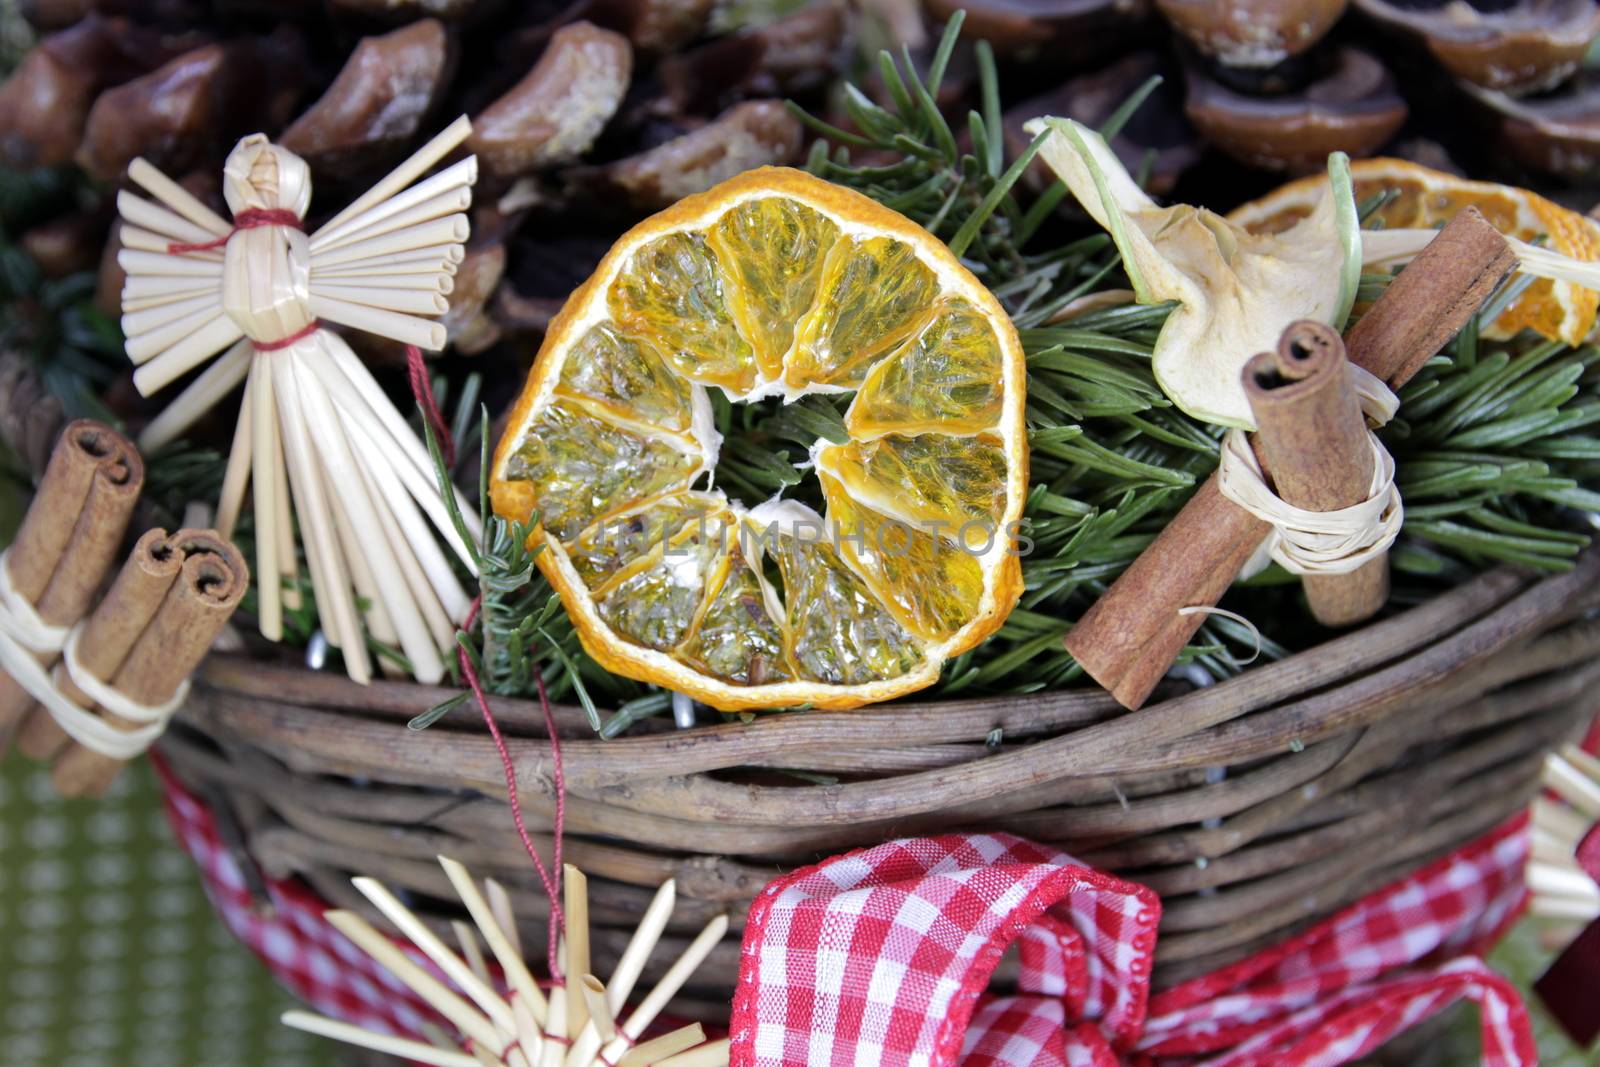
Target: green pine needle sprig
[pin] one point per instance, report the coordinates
(521, 632)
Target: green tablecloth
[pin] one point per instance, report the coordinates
(110, 955)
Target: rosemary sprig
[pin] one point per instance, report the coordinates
(1111, 458)
(520, 629)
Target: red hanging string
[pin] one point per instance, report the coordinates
(545, 875)
(422, 389)
(423, 392)
(244, 220)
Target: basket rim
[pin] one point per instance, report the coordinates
(1443, 650)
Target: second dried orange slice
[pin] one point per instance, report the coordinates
(775, 284)
(1425, 198)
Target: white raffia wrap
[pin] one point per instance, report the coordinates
(1320, 542)
(24, 636)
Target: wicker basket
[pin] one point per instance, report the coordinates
(1254, 807)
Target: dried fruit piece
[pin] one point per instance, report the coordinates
(671, 291)
(622, 539)
(736, 639)
(1236, 290)
(946, 378)
(930, 585)
(628, 376)
(655, 601)
(753, 287)
(954, 487)
(874, 293)
(772, 250)
(841, 633)
(587, 469)
(1561, 310)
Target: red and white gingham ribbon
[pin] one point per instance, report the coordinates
(883, 957)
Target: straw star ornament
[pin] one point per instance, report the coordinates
(579, 1023)
(317, 440)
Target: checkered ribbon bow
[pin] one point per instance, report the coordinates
(882, 957)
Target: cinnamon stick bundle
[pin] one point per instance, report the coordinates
(168, 604)
(1128, 639)
(68, 538)
(1312, 436)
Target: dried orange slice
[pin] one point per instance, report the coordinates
(775, 284)
(1560, 310)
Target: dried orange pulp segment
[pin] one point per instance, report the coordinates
(1559, 310)
(775, 283)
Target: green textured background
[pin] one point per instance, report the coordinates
(110, 955)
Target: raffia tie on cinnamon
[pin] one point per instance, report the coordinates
(1309, 542)
(61, 554)
(1129, 638)
(21, 627)
(124, 670)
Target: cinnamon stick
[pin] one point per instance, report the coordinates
(1312, 436)
(152, 630)
(109, 633)
(1128, 639)
(69, 536)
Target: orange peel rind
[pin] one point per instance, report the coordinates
(775, 284)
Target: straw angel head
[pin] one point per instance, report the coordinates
(317, 438)
(266, 271)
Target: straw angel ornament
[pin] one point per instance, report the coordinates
(316, 438)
